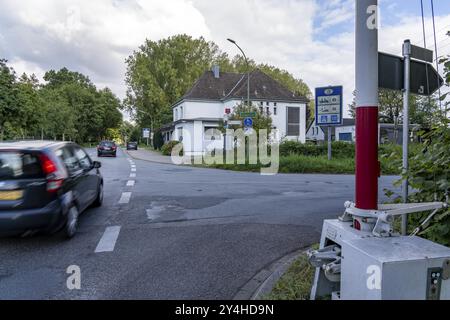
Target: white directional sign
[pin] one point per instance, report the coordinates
(146, 133)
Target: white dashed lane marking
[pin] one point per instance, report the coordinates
(131, 183)
(132, 175)
(133, 169)
(108, 240)
(125, 197)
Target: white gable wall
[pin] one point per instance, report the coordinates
(199, 109)
(315, 133)
(193, 136)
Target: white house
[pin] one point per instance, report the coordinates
(387, 133)
(344, 132)
(315, 132)
(206, 103)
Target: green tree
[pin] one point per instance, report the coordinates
(9, 106)
(93, 111)
(429, 172)
(160, 73)
(261, 121)
(30, 103)
(422, 110)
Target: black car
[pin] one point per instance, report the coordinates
(132, 145)
(45, 186)
(107, 148)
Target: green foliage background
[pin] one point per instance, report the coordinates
(66, 107)
(160, 72)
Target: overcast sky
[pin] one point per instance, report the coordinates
(313, 39)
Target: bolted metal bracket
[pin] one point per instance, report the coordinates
(379, 222)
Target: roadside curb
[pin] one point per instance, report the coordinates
(264, 281)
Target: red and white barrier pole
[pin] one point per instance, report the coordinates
(367, 165)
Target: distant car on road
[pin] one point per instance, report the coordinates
(45, 186)
(107, 148)
(132, 145)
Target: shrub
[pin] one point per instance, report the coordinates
(309, 164)
(168, 147)
(339, 149)
(158, 140)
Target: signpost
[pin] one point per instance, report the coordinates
(329, 109)
(248, 122)
(235, 123)
(423, 80)
(247, 114)
(146, 134)
(414, 74)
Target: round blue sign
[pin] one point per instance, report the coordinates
(248, 122)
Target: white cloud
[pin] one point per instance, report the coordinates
(93, 37)
(312, 39)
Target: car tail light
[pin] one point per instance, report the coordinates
(49, 168)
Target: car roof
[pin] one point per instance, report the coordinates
(30, 144)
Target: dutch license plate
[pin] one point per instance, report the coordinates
(11, 195)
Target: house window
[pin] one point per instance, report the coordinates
(181, 113)
(268, 110)
(267, 103)
(261, 103)
(275, 111)
(212, 133)
(261, 110)
(345, 136)
(274, 104)
(293, 121)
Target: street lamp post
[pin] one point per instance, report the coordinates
(248, 69)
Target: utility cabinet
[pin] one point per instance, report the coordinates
(361, 266)
(397, 268)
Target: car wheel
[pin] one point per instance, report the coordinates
(99, 200)
(72, 222)
(99, 155)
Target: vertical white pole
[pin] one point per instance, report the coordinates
(406, 91)
(367, 166)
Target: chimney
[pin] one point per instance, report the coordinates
(216, 71)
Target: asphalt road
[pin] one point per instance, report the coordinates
(177, 233)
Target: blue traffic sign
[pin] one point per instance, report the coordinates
(329, 106)
(248, 122)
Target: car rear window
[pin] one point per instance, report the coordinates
(107, 144)
(19, 165)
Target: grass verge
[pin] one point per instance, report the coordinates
(311, 164)
(296, 283)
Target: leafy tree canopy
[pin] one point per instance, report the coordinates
(160, 73)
